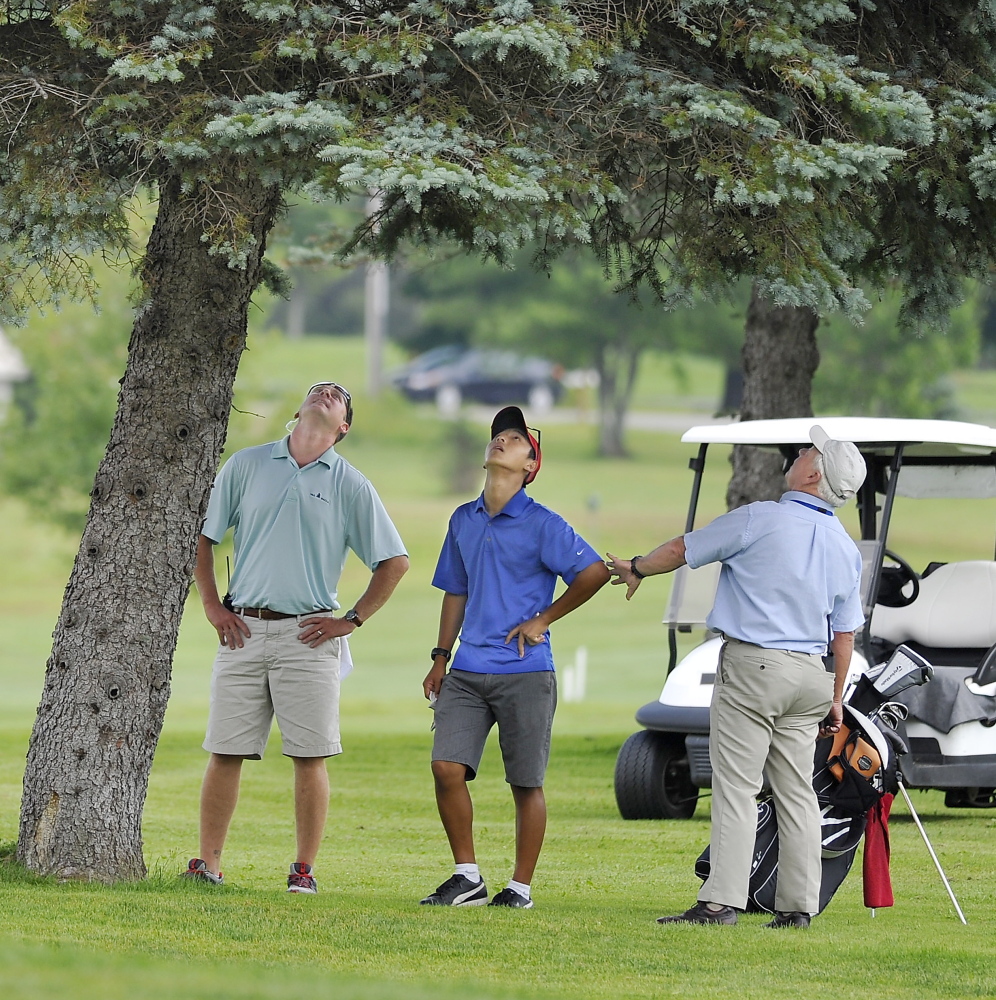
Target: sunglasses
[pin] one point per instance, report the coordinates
(335, 385)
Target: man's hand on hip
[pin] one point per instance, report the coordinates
(532, 632)
(317, 629)
(229, 626)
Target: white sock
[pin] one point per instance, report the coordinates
(469, 871)
(520, 887)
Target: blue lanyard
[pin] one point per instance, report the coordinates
(812, 506)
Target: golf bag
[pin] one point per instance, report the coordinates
(851, 772)
(841, 833)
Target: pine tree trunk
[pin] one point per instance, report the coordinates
(779, 360)
(107, 680)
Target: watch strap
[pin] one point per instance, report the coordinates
(440, 651)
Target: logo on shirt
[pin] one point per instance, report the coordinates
(318, 496)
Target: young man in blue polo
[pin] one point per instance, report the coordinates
(498, 569)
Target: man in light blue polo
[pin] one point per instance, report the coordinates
(498, 569)
(297, 507)
(788, 589)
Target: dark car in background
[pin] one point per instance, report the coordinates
(451, 375)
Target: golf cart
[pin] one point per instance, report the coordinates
(946, 614)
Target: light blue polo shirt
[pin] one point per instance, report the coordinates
(790, 571)
(293, 526)
(508, 566)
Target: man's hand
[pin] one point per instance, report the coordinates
(835, 718)
(434, 678)
(622, 571)
(532, 631)
(320, 628)
(229, 626)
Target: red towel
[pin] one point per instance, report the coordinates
(877, 884)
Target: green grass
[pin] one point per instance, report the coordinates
(601, 883)
(601, 880)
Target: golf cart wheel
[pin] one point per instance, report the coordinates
(970, 798)
(652, 778)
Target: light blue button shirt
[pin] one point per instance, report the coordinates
(790, 572)
(294, 526)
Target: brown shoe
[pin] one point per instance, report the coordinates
(701, 914)
(791, 919)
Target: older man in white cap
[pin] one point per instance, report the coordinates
(788, 590)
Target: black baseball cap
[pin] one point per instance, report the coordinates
(511, 418)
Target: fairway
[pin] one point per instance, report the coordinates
(592, 934)
(601, 881)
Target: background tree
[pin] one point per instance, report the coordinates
(815, 149)
(55, 432)
(569, 314)
(878, 369)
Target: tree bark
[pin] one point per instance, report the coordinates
(779, 360)
(107, 680)
(617, 364)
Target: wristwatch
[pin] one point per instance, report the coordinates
(353, 617)
(439, 651)
(634, 570)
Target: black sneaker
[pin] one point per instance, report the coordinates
(301, 879)
(701, 914)
(509, 897)
(197, 871)
(793, 918)
(458, 890)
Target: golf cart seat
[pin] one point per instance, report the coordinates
(953, 624)
(956, 609)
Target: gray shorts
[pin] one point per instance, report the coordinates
(274, 673)
(522, 704)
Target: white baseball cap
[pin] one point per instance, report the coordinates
(843, 467)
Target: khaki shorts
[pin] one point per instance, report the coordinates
(274, 673)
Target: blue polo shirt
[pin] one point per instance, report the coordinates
(790, 573)
(508, 566)
(294, 526)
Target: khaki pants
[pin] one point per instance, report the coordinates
(766, 709)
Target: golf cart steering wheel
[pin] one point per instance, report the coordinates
(892, 581)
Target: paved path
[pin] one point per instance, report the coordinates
(637, 420)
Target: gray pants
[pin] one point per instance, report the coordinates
(766, 709)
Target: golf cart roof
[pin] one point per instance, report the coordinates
(923, 438)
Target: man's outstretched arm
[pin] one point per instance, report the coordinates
(665, 558)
